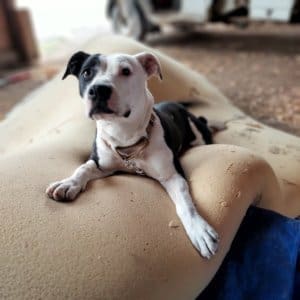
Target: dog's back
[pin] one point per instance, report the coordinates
(181, 128)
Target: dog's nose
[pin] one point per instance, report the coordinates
(100, 92)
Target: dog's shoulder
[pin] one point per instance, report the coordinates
(174, 119)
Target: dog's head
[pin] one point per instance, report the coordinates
(113, 85)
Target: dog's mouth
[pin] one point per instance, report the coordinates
(100, 109)
(105, 110)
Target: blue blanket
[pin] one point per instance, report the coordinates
(263, 262)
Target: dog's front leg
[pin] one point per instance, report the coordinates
(68, 188)
(201, 234)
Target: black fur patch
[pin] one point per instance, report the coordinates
(201, 124)
(178, 134)
(80, 62)
(92, 63)
(75, 63)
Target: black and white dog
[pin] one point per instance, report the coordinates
(136, 136)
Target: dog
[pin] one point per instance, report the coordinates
(133, 135)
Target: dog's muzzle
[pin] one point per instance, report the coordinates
(99, 96)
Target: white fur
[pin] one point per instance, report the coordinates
(156, 160)
(70, 187)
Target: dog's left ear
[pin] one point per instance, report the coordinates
(75, 64)
(150, 64)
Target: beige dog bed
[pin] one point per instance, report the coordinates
(122, 238)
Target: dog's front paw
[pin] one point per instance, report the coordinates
(203, 236)
(65, 190)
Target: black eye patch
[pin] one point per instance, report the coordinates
(88, 71)
(88, 74)
(91, 63)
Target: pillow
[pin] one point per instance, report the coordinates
(118, 239)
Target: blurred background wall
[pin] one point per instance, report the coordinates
(239, 45)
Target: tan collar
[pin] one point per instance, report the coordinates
(130, 152)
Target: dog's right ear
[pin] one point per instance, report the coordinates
(75, 64)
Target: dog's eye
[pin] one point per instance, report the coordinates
(126, 72)
(87, 74)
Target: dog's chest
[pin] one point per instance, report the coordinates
(109, 159)
(141, 160)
